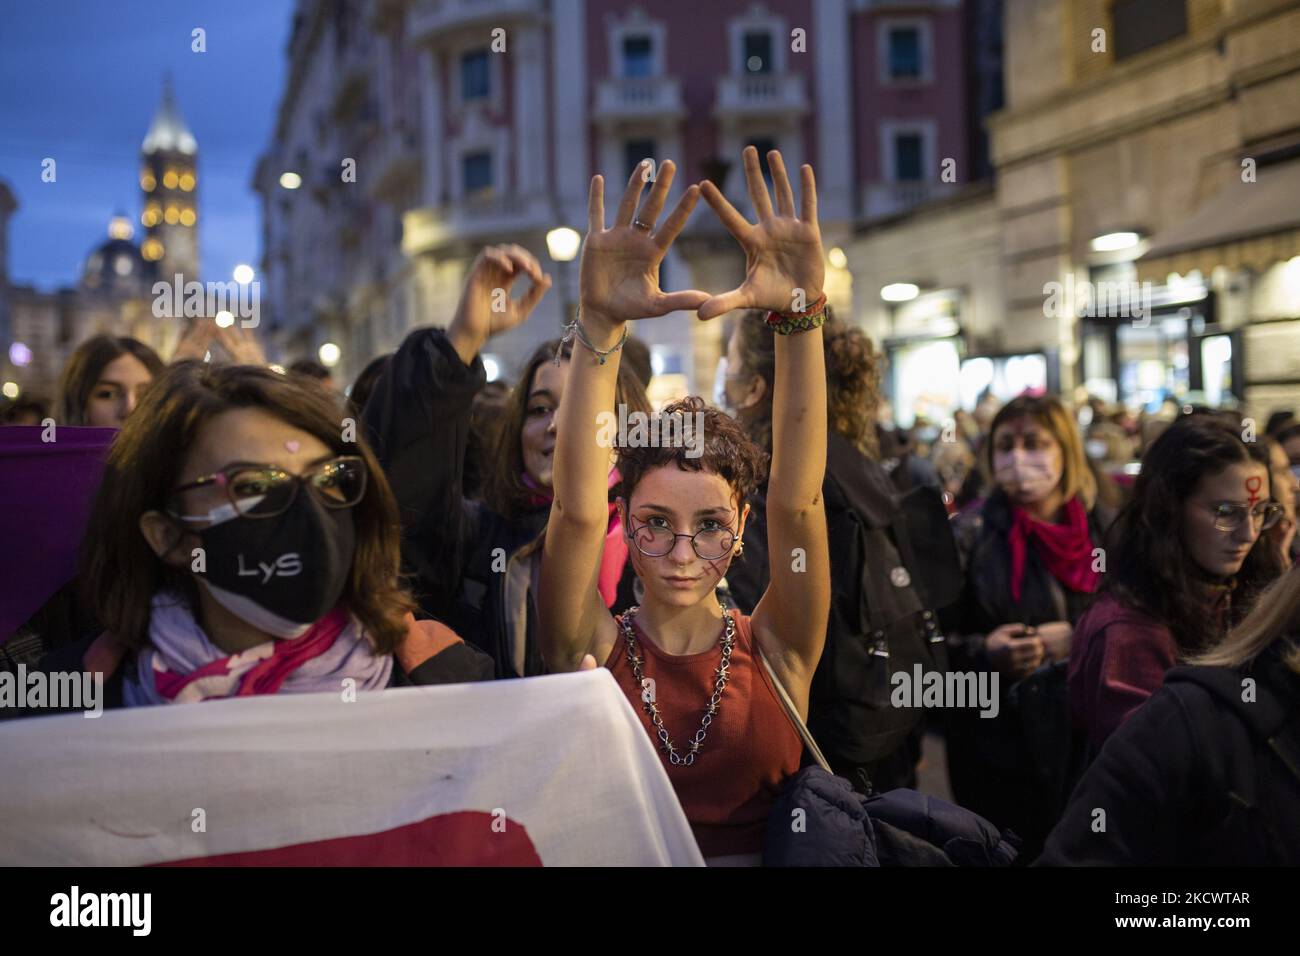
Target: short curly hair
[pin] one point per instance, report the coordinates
(727, 451)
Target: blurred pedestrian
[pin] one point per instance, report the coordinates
(1031, 569)
(103, 380)
(874, 611)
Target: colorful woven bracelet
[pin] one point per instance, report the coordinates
(791, 323)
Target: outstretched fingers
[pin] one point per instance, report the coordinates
(676, 220)
(596, 205)
(736, 224)
(757, 186)
(809, 189)
(654, 204)
(724, 303)
(631, 195)
(684, 301)
(781, 184)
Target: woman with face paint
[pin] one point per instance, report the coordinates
(690, 667)
(239, 544)
(1031, 569)
(1205, 773)
(474, 563)
(1186, 559)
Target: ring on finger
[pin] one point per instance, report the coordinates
(638, 224)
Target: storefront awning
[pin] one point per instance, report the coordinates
(1245, 225)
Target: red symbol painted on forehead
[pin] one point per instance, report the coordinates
(1253, 484)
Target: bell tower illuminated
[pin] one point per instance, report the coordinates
(169, 181)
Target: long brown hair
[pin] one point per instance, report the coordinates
(504, 490)
(85, 365)
(120, 571)
(852, 381)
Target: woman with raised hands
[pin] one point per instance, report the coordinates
(687, 664)
(473, 564)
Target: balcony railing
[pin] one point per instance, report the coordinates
(639, 98)
(427, 19)
(761, 93)
(474, 219)
(887, 199)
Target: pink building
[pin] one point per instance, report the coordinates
(481, 121)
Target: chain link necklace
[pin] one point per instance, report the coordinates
(652, 709)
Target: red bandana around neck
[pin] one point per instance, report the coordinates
(1065, 549)
(614, 556)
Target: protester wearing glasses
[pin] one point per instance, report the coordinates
(690, 667)
(241, 544)
(1183, 567)
(1205, 773)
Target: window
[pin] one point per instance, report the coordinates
(638, 57)
(908, 164)
(474, 76)
(1142, 24)
(476, 169)
(905, 53)
(757, 51)
(636, 151)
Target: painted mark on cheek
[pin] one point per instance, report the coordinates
(1253, 485)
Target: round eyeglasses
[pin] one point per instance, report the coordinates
(1230, 517)
(656, 541)
(264, 491)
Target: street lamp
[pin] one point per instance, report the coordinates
(329, 354)
(290, 180)
(243, 274)
(563, 244)
(900, 292)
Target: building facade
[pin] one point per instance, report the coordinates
(472, 122)
(1142, 238)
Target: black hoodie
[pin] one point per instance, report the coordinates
(1198, 776)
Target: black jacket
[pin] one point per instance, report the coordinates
(1197, 776)
(878, 623)
(470, 567)
(1016, 768)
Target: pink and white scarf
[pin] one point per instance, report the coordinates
(181, 665)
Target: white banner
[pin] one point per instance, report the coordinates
(553, 771)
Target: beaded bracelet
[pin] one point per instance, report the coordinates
(575, 329)
(791, 323)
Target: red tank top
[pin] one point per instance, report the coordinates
(750, 748)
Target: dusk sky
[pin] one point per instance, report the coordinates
(80, 81)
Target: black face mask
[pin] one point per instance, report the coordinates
(281, 574)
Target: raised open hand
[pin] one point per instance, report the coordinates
(619, 277)
(783, 253)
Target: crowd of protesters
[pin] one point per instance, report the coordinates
(1141, 627)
